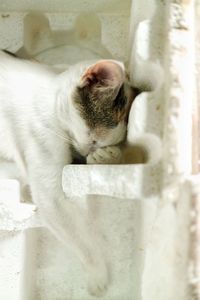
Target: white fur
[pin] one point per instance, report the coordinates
(38, 121)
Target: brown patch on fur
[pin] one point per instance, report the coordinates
(100, 131)
(104, 96)
(122, 112)
(100, 109)
(95, 107)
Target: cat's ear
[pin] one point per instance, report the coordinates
(103, 74)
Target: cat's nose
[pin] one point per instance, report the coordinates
(93, 146)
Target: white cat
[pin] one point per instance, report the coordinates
(43, 116)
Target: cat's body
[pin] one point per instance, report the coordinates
(44, 114)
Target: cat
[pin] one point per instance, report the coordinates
(43, 117)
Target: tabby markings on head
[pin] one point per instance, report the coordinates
(105, 96)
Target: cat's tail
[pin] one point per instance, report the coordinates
(149, 147)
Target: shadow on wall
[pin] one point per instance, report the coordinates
(56, 47)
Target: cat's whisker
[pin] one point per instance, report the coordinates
(60, 135)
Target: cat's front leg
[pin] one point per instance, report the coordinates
(69, 223)
(106, 155)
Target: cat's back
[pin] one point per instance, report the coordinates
(21, 86)
(21, 81)
(15, 71)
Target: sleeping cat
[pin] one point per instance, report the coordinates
(43, 117)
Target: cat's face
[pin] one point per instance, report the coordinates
(101, 101)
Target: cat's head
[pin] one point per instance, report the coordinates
(101, 105)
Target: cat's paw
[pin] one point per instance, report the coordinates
(107, 155)
(98, 281)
